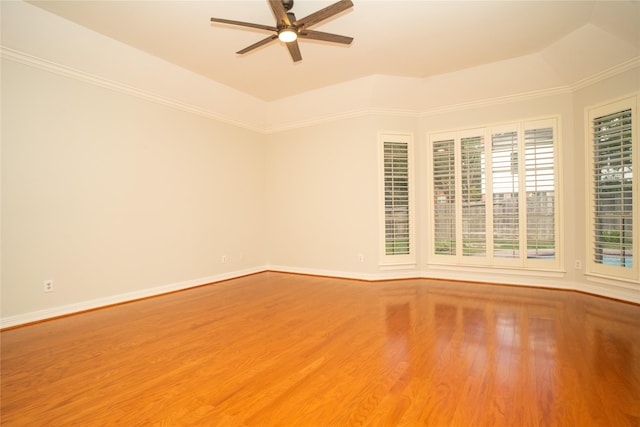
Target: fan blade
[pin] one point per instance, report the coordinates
(244, 24)
(257, 45)
(294, 50)
(323, 14)
(327, 37)
(281, 15)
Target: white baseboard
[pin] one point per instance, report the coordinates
(624, 293)
(538, 279)
(629, 294)
(384, 275)
(35, 316)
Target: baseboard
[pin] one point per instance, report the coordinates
(626, 294)
(65, 310)
(354, 275)
(623, 293)
(539, 279)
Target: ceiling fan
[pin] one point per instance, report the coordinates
(288, 29)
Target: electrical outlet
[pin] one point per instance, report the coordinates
(48, 286)
(361, 257)
(577, 264)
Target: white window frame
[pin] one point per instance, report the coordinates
(392, 261)
(489, 260)
(592, 268)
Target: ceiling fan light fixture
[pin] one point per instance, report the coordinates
(288, 34)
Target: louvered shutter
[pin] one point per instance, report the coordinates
(505, 166)
(474, 212)
(398, 217)
(444, 194)
(612, 189)
(540, 192)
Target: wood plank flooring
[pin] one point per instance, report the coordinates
(276, 349)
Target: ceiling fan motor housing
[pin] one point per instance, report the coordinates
(288, 4)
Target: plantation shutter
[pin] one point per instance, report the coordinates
(505, 167)
(444, 193)
(612, 188)
(494, 197)
(474, 212)
(396, 198)
(540, 188)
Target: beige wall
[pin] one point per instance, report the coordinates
(115, 197)
(324, 200)
(108, 194)
(323, 188)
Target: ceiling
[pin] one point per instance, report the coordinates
(416, 38)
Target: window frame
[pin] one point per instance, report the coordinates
(489, 260)
(397, 261)
(592, 112)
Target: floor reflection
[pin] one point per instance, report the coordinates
(509, 343)
(398, 318)
(399, 314)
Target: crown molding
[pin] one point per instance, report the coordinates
(357, 112)
(46, 65)
(501, 100)
(366, 111)
(65, 71)
(608, 73)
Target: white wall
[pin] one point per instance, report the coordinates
(115, 197)
(112, 196)
(324, 200)
(323, 196)
(323, 188)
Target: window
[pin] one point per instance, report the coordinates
(613, 153)
(493, 196)
(398, 243)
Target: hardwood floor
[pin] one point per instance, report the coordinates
(291, 350)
